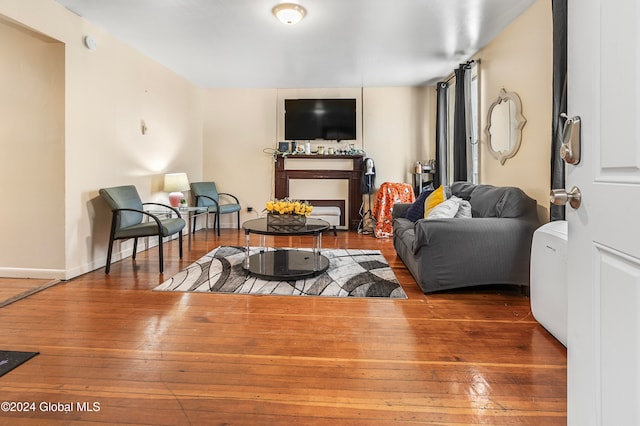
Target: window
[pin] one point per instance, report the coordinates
(472, 131)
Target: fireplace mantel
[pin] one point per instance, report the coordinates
(283, 175)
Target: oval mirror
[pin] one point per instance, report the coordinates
(504, 126)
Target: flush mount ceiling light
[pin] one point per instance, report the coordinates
(289, 13)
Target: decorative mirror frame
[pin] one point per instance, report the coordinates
(520, 121)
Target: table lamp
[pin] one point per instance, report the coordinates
(175, 183)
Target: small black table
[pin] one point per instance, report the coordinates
(285, 264)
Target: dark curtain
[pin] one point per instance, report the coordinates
(440, 176)
(559, 99)
(460, 128)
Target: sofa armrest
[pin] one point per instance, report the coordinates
(399, 209)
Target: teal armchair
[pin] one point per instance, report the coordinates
(127, 221)
(205, 194)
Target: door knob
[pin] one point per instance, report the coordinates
(561, 196)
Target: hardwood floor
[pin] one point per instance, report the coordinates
(13, 289)
(164, 358)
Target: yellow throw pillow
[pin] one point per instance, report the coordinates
(435, 198)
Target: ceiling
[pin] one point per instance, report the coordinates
(340, 43)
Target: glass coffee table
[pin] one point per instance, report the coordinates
(285, 264)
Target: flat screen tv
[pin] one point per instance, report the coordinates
(326, 119)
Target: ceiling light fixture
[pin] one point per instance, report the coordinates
(289, 13)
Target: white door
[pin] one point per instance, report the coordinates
(604, 233)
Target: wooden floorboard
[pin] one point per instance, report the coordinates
(474, 356)
(14, 289)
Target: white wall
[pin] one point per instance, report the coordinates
(104, 115)
(520, 60)
(394, 128)
(399, 129)
(32, 146)
(238, 125)
(107, 92)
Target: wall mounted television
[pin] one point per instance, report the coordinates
(325, 119)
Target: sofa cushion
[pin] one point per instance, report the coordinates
(445, 210)
(462, 189)
(491, 201)
(436, 197)
(515, 203)
(453, 207)
(484, 200)
(416, 209)
(464, 209)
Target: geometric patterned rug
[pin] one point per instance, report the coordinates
(351, 273)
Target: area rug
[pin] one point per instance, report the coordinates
(11, 359)
(351, 273)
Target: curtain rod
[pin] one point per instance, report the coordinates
(452, 76)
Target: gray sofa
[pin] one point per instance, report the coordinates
(492, 247)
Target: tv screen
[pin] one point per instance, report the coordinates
(328, 119)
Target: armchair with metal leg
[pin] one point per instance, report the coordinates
(127, 221)
(205, 194)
